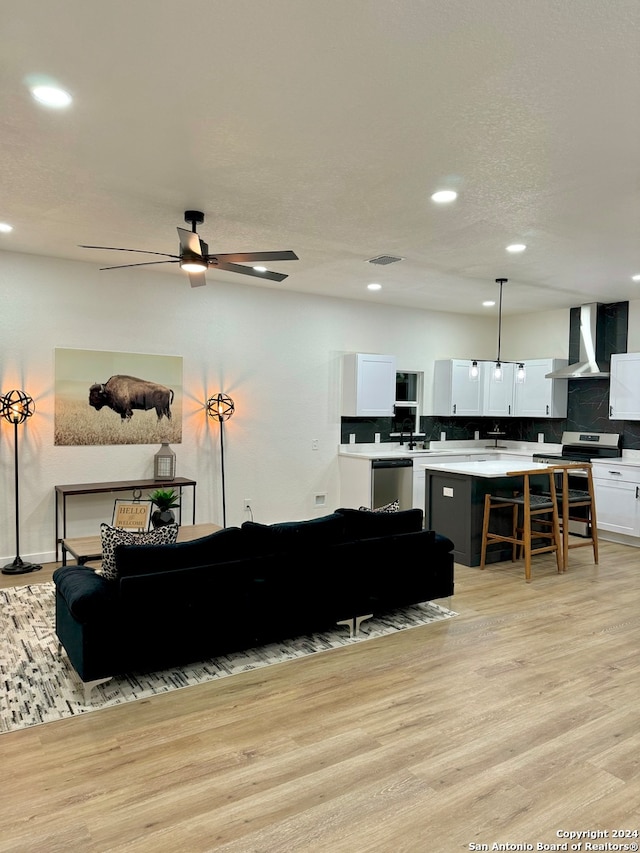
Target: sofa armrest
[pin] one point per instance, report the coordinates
(88, 596)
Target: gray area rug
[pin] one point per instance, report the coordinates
(40, 686)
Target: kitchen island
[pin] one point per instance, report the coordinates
(454, 502)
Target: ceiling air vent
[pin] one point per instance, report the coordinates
(383, 260)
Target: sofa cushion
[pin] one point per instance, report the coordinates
(87, 594)
(364, 524)
(294, 535)
(112, 537)
(220, 547)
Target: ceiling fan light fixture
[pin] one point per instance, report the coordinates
(260, 268)
(193, 265)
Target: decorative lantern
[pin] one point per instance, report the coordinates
(164, 463)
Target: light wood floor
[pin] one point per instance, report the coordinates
(515, 720)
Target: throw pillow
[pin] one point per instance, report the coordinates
(112, 537)
(394, 506)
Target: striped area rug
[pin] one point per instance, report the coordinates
(40, 686)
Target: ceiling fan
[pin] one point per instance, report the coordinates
(194, 257)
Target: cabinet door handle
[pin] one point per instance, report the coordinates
(610, 411)
(509, 408)
(637, 490)
(547, 409)
(617, 473)
(454, 408)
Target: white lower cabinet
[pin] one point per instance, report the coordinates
(617, 490)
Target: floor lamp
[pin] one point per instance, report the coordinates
(16, 407)
(221, 406)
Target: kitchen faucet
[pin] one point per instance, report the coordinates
(412, 443)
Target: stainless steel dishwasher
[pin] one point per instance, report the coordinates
(392, 479)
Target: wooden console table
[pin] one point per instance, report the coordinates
(64, 492)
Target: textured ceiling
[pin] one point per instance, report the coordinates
(323, 126)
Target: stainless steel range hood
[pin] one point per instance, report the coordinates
(586, 367)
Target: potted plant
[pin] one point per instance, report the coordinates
(165, 500)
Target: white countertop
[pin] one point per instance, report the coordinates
(388, 450)
(625, 462)
(489, 468)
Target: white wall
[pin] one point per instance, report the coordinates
(541, 335)
(277, 353)
(633, 341)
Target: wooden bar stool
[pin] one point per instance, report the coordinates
(569, 500)
(537, 510)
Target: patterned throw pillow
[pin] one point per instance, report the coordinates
(394, 506)
(112, 536)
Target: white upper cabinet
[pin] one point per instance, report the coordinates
(539, 397)
(624, 391)
(368, 385)
(498, 392)
(456, 392)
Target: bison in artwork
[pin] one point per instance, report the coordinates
(123, 394)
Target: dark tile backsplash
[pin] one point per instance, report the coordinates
(588, 410)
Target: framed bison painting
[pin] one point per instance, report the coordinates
(117, 398)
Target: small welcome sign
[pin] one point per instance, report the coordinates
(133, 515)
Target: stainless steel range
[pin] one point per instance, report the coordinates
(584, 447)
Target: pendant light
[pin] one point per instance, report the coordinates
(498, 364)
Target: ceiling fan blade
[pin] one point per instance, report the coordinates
(142, 251)
(271, 276)
(197, 279)
(146, 264)
(189, 242)
(248, 257)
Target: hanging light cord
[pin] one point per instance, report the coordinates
(501, 282)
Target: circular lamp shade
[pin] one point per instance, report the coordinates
(16, 407)
(220, 406)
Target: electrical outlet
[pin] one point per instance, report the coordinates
(315, 444)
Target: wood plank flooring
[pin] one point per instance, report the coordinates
(515, 720)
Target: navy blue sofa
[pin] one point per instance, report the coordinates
(243, 587)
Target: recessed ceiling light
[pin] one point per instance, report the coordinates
(260, 269)
(516, 247)
(635, 278)
(443, 196)
(374, 286)
(5, 227)
(51, 96)
(488, 304)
